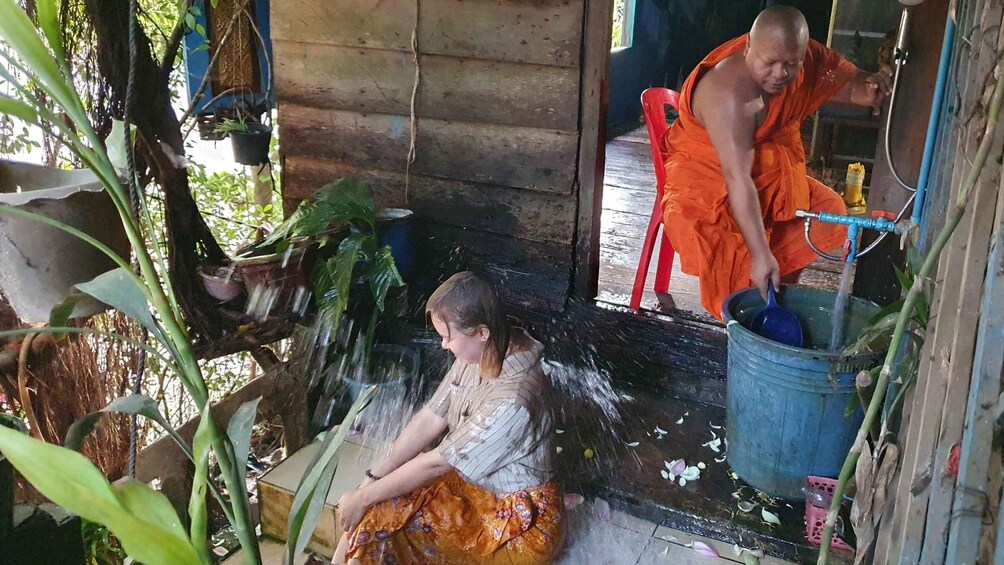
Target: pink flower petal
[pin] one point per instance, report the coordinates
(678, 467)
(572, 500)
(704, 549)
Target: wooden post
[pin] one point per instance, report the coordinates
(594, 96)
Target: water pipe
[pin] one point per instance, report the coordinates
(934, 121)
(884, 222)
(933, 125)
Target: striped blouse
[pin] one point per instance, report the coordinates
(499, 428)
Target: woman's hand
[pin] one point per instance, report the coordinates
(351, 508)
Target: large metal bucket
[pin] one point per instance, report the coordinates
(39, 264)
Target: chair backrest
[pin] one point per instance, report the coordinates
(653, 104)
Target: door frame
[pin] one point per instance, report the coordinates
(594, 95)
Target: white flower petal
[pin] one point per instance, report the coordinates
(769, 517)
(746, 506)
(702, 466)
(683, 482)
(632, 444)
(664, 474)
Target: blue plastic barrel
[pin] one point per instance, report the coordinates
(395, 228)
(787, 407)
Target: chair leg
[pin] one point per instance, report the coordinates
(646, 258)
(664, 268)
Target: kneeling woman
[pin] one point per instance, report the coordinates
(486, 494)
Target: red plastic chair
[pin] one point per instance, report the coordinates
(653, 103)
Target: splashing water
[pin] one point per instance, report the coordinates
(261, 301)
(840, 307)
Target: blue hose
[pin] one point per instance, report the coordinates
(935, 118)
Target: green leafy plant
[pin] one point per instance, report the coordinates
(141, 518)
(233, 125)
(100, 546)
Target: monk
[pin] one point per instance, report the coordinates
(736, 174)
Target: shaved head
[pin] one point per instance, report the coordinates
(776, 48)
(781, 23)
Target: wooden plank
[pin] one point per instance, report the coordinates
(545, 32)
(519, 157)
(593, 99)
(454, 88)
(901, 537)
(524, 214)
(975, 245)
(528, 275)
(163, 457)
(379, 24)
(972, 495)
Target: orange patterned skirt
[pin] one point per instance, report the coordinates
(451, 521)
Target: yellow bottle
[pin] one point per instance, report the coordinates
(855, 181)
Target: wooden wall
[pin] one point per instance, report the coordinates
(493, 183)
(931, 515)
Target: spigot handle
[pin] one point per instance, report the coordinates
(882, 214)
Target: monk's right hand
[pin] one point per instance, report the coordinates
(763, 269)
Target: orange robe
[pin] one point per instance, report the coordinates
(452, 522)
(696, 213)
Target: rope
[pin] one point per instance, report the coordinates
(414, 96)
(134, 199)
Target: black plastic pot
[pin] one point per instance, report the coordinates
(251, 147)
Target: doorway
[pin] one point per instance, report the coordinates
(660, 48)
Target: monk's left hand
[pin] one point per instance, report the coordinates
(350, 510)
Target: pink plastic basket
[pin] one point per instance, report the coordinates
(815, 518)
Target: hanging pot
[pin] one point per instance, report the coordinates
(251, 147)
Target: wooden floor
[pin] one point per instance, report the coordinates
(628, 197)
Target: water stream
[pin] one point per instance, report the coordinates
(839, 317)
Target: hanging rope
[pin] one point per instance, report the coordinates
(134, 199)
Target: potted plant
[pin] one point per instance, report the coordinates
(249, 137)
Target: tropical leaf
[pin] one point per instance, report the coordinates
(47, 12)
(905, 278)
(71, 481)
(383, 275)
(881, 329)
(893, 308)
(348, 200)
(316, 481)
(239, 430)
(197, 504)
(135, 404)
(119, 290)
(17, 30)
(332, 288)
(18, 109)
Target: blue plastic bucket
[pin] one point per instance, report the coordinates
(395, 227)
(786, 406)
